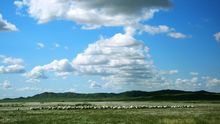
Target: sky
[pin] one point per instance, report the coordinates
(108, 46)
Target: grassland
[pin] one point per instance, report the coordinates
(20, 113)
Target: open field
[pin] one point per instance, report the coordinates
(201, 113)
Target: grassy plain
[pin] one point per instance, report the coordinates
(20, 113)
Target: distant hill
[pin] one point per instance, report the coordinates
(162, 95)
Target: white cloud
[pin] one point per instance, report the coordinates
(194, 73)
(217, 36)
(153, 30)
(36, 73)
(126, 13)
(156, 29)
(11, 65)
(211, 82)
(94, 84)
(60, 67)
(6, 84)
(120, 59)
(40, 45)
(187, 84)
(194, 79)
(32, 80)
(102, 13)
(12, 69)
(214, 82)
(6, 26)
(169, 72)
(27, 89)
(10, 60)
(177, 35)
(196, 82)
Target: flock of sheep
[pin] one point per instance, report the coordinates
(107, 107)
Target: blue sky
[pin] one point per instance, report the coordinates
(93, 46)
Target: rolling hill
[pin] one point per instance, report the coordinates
(162, 95)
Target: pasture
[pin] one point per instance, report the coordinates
(110, 112)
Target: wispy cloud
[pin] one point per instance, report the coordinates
(94, 84)
(217, 36)
(40, 45)
(6, 26)
(194, 73)
(169, 72)
(178, 35)
(66, 48)
(25, 89)
(56, 45)
(6, 84)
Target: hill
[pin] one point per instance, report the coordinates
(162, 95)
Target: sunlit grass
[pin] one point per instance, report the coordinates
(202, 114)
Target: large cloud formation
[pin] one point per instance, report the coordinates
(119, 60)
(11, 65)
(94, 12)
(6, 26)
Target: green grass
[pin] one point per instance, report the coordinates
(203, 113)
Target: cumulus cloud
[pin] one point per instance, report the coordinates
(10, 60)
(126, 13)
(217, 36)
(6, 84)
(60, 67)
(120, 59)
(187, 84)
(121, 62)
(101, 12)
(6, 26)
(214, 82)
(196, 82)
(11, 65)
(12, 69)
(211, 82)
